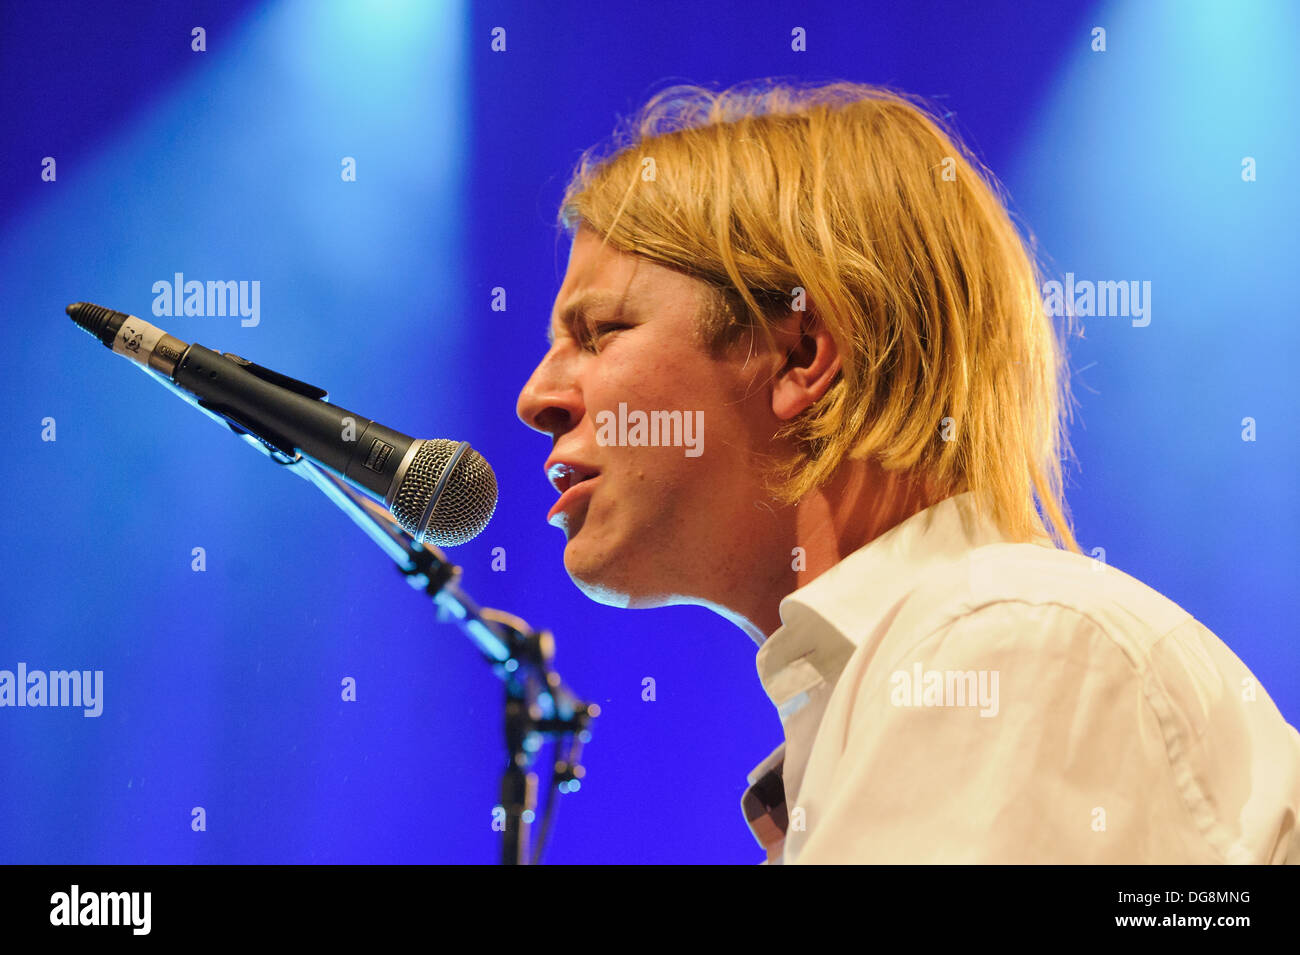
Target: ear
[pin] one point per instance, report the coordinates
(811, 363)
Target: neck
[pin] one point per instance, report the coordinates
(807, 539)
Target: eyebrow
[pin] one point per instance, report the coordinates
(575, 308)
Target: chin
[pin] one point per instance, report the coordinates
(601, 594)
(598, 582)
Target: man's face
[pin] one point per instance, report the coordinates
(648, 525)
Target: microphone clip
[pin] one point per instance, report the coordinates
(275, 378)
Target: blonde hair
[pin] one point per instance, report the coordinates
(900, 239)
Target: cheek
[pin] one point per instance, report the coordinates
(715, 434)
(693, 452)
(641, 377)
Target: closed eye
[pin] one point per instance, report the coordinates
(598, 331)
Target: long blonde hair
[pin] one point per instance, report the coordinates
(900, 241)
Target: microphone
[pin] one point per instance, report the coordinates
(441, 492)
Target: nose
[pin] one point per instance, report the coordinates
(550, 401)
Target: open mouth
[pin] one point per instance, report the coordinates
(568, 479)
(564, 475)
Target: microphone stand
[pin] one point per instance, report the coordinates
(538, 704)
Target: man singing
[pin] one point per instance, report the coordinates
(801, 373)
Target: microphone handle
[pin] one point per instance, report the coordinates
(287, 414)
(356, 448)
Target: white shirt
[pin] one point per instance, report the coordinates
(949, 696)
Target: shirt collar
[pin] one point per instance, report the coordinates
(826, 620)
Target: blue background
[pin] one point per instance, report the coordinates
(223, 687)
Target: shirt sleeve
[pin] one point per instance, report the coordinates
(1017, 733)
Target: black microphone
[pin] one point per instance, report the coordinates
(441, 492)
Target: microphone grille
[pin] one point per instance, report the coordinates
(447, 495)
